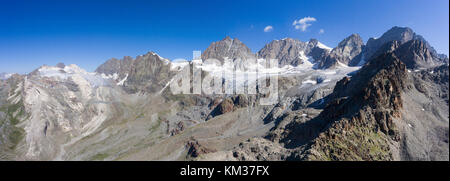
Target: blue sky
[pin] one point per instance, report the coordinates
(87, 33)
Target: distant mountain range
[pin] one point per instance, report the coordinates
(384, 100)
(5, 76)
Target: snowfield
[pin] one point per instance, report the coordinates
(76, 73)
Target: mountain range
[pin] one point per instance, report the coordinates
(383, 100)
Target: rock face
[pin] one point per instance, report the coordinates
(116, 66)
(362, 109)
(293, 52)
(403, 35)
(399, 34)
(416, 54)
(347, 52)
(232, 48)
(352, 52)
(288, 51)
(148, 73)
(195, 149)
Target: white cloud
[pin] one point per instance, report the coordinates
(304, 23)
(268, 29)
(321, 31)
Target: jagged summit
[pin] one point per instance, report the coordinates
(288, 51)
(227, 47)
(399, 34)
(348, 52)
(417, 54)
(293, 52)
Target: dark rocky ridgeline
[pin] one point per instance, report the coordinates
(359, 119)
(402, 35)
(399, 34)
(438, 76)
(352, 52)
(417, 54)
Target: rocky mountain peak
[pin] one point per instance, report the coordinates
(288, 51)
(313, 42)
(352, 40)
(149, 73)
(231, 48)
(60, 65)
(417, 54)
(227, 38)
(347, 52)
(400, 34)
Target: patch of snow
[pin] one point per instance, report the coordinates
(313, 82)
(341, 64)
(164, 88)
(165, 60)
(123, 80)
(320, 45)
(197, 61)
(114, 76)
(257, 70)
(178, 65)
(329, 72)
(74, 72)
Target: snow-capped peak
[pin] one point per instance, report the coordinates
(74, 72)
